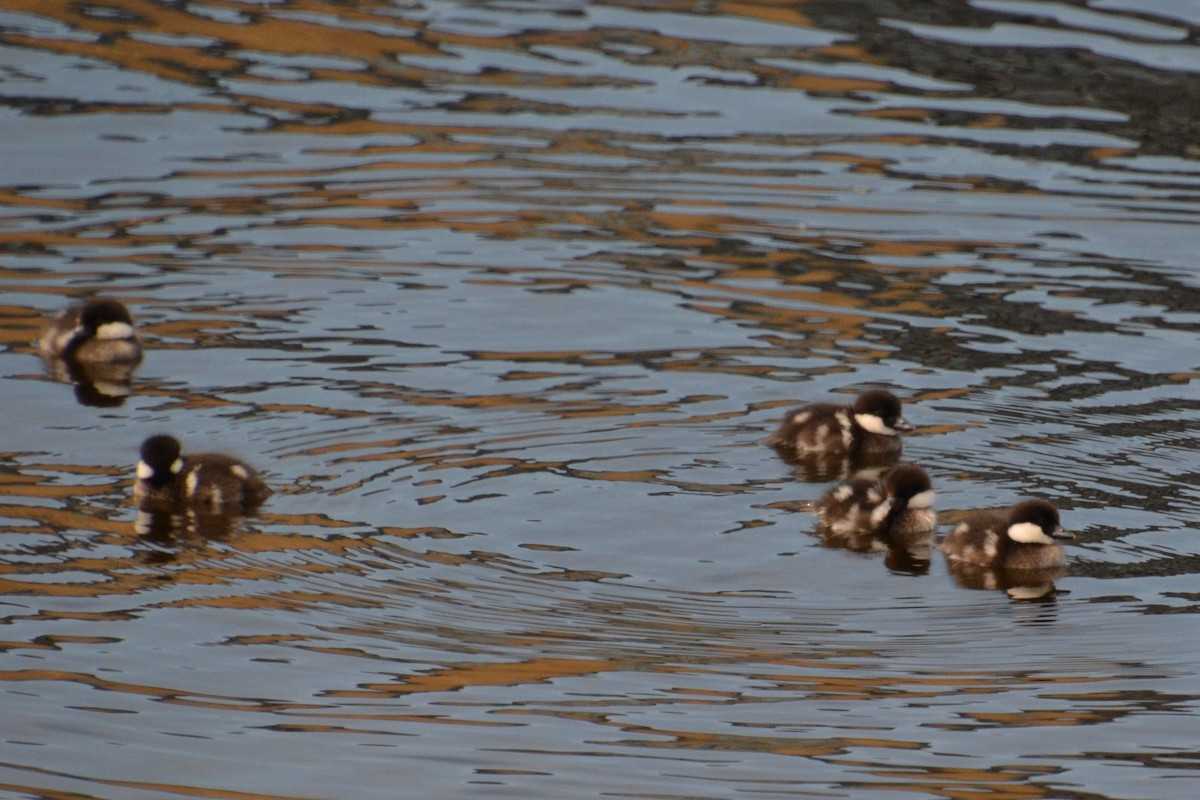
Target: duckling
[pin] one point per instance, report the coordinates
(869, 428)
(1024, 537)
(96, 332)
(895, 511)
(207, 481)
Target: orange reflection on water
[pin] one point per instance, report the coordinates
(462, 676)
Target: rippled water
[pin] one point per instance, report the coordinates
(504, 298)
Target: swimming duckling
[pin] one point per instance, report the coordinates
(895, 511)
(209, 481)
(1024, 537)
(98, 331)
(870, 427)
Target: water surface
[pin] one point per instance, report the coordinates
(504, 298)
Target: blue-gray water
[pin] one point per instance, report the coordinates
(503, 298)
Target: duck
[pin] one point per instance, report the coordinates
(870, 429)
(1024, 537)
(100, 331)
(213, 482)
(894, 511)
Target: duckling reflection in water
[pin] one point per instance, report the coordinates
(826, 467)
(1015, 549)
(894, 512)
(95, 347)
(172, 528)
(205, 483)
(99, 385)
(1022, 585)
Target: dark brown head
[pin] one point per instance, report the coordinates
(878, 411)
(161, 460)
(103, 315)
(910, 485)
(1035, 522)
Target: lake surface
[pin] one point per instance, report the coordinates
(504, 298)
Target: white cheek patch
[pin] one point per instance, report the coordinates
(1028, 533)
(843, 492)
(144, 471)
(115, 330)
(874, 424)
(176, 466)
(874, 496)
(922, 499)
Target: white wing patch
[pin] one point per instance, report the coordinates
(848, 523)
(801, 417)
(843, 492)
(990, 545)
(881, 511)
(843, 421)
(193, 480)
